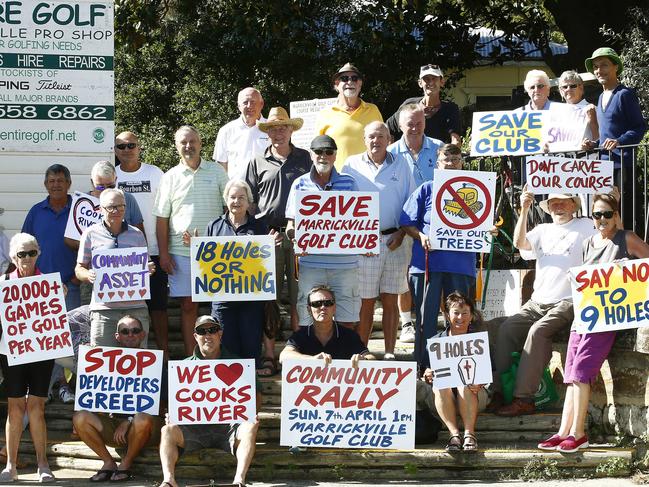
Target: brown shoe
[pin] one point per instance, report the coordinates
(497, 401)
(518, 407)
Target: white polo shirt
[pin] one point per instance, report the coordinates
(237, 144)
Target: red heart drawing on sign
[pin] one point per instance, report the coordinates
(91, 214)
(121, 294)
(228, 373)
(111, 294)
(100, 295)
(142, 292)
(131, 293)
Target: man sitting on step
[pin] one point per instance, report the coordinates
(135, 432)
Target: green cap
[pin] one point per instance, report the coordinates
(609, 53)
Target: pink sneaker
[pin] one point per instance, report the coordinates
(571, 445)
(551, 443)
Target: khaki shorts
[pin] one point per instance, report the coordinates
(110, 423)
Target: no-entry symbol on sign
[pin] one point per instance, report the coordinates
(463, 202)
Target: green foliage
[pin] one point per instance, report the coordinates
(613, 467)
(541, 469)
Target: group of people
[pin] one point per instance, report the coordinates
(251, 189)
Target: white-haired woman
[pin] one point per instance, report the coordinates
(537, 86)
(571, 88)
(27, 385)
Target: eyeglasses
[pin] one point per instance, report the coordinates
(130, 145)
(101, 187)
(114, 208)
(606, 214)
(321, 152)
(327, 303)
(130, 331)
(569, 87)
(208, 330)
(344, 78)
(539, 86)
(24, 253)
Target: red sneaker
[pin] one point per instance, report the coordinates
(551, 443)
(571, 445)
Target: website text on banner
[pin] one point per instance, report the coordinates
(549, 174)
(212, 391)
(513, 133)
(463, 207)
(372, 406)
(233, 268)
(337, 222)
(612, 296)
(34, 320)
(118, 380)
(122, 275)
(458, 361)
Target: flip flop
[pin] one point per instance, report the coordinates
(45, 475)
(103, 475)
(7, 476)
(124, 476)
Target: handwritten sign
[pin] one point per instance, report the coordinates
(459, 361)
(122, 275)
(504, 295)
(547, 174)
(233, 268)
(212, 391)
(34, 320)
(118, 380)
(337, 222)
(85, 212)
(338, 406)
(462, 210)
(566, 127)
(507, 133)
(611, 296)
(308, 111)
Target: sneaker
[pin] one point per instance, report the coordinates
(389, 356)
(571, 445)
(407, 333)
(66, 396)
(551, 443)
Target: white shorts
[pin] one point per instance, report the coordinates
(180, 282)
(386, 272)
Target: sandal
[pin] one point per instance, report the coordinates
(268, 367)
(454, 444)
(103, 475)
(121, 476)
(470, 443)
(45, 475)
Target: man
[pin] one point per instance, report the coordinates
(620, 123)
(142, 181)
(345, 120)
(324, 338)
(47, 221)
(240, 140)
(238, 439)
(442, 117)
(340, 272)
(557, 247)
(133, 432)
(388, 175)
(190, 196)
(537, 86)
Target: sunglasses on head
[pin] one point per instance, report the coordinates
(606, 214)
(430, 66)
(24, 253)
(321, 152)
(327, 303)
(130, 331)
(208, 330)
(130, 145)
(569, 87)
(345, 78)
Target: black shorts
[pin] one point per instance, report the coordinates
(159, 287)
(31, 378)
(199, 436)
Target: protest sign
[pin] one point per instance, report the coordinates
(84, 212)
(233, 268)
(462, 210)
(458, 361)
(118, 380)
(610, 297)
(212, 391)
(565, 128)
(337, 222)
(308, 111)
(372, 406)
(504, 295)
(548, 174)
(121, 275)
(34, 320)
(503, 133)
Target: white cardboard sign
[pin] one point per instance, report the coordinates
(84, 212)
(121, 275)
(548, 174)
(461, 360)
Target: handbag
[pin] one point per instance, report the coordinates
(546, 394)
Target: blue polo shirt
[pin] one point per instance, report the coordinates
(48, 227)
(416, 213)
(422, 169)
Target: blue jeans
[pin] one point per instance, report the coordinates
(243, 324)
(427, 302)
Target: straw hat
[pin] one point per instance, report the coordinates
(278, 116)
(558, 196)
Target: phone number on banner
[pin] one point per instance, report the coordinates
(57, 112)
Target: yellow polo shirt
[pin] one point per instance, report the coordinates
(346, 128)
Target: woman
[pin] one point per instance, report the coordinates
(112, 232)
(27, 384)
(587, 352)
(571, 88)
(461, 318)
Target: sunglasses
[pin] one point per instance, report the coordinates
(344, 78)
(429, 66)
(24, 253)
(130, 331)
(327, 303)
(606, 214)
(130, 145)
(321, 152)
(569, 87)
(114, 208)
(101, 187)
(208, 330)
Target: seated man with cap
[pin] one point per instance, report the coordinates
(238, 439)
(557, 247)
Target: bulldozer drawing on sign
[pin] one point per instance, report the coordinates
(470, 198)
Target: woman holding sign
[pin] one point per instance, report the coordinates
(586, 352)
(27, 385)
